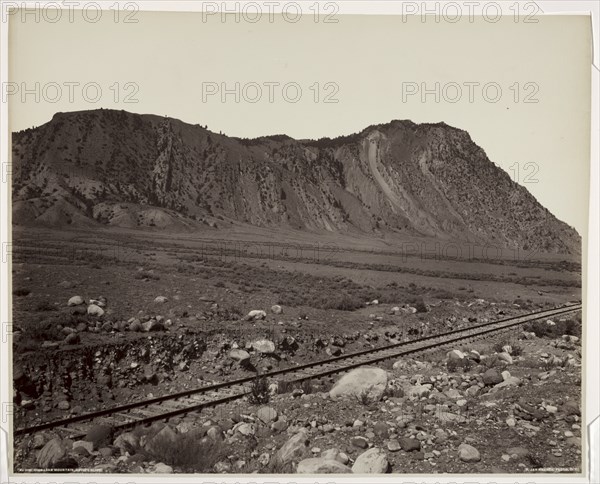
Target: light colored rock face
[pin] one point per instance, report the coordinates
(267, 414)
(505, 357)
(468, 453)
(75, 301)
(335, 454)
(371, 382)
(263, 346)
(373, 461)
(318, 465)
(276, 309)
(256, 314)
(293, 449)
(51, 453)
(94, 310)
(239, 355)
(455, 355)
(161, 468)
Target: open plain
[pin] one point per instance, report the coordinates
(105, 317)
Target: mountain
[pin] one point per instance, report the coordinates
(129, 170)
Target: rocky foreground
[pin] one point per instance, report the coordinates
(496, 406)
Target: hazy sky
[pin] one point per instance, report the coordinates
(376, 68)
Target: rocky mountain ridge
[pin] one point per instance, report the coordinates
(129, 170)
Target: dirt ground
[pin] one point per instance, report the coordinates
(196, 294)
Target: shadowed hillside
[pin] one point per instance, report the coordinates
(129, 170)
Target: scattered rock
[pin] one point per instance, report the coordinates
(370, 382)
(127, 442)
(263, 346)
(152, 325)
(394, 445)
(256, 315)
(410, 445)
(335, 454)
(160, 299)
(239, 355)
(491, 377)
(64, 405)
(373, 461)
(72, 339)
(76, 301)
(318, 465)
(276, 309)
(468, 453)
(294, 448)
(267, 414)
(161, 468)
(505, 357)
(455, 355)
(360, 442)
(51, 453)
(94, 310)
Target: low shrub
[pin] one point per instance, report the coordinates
(259, 393)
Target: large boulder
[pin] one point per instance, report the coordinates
(368, 382)
(263, 346)
(52, 453)
(373, 461)
(319, 465)
(293, 449)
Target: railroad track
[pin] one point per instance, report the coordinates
(190, 401)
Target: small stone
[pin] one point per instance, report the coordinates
(72, 339)
(160, 299)
(410, 445)
(393, 446)
(360, 442)
(276, 309)
(76, 301)
(63, 405)
(492, 377)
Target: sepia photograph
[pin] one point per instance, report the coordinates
(298, 238)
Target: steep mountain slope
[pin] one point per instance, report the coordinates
(119, 168)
